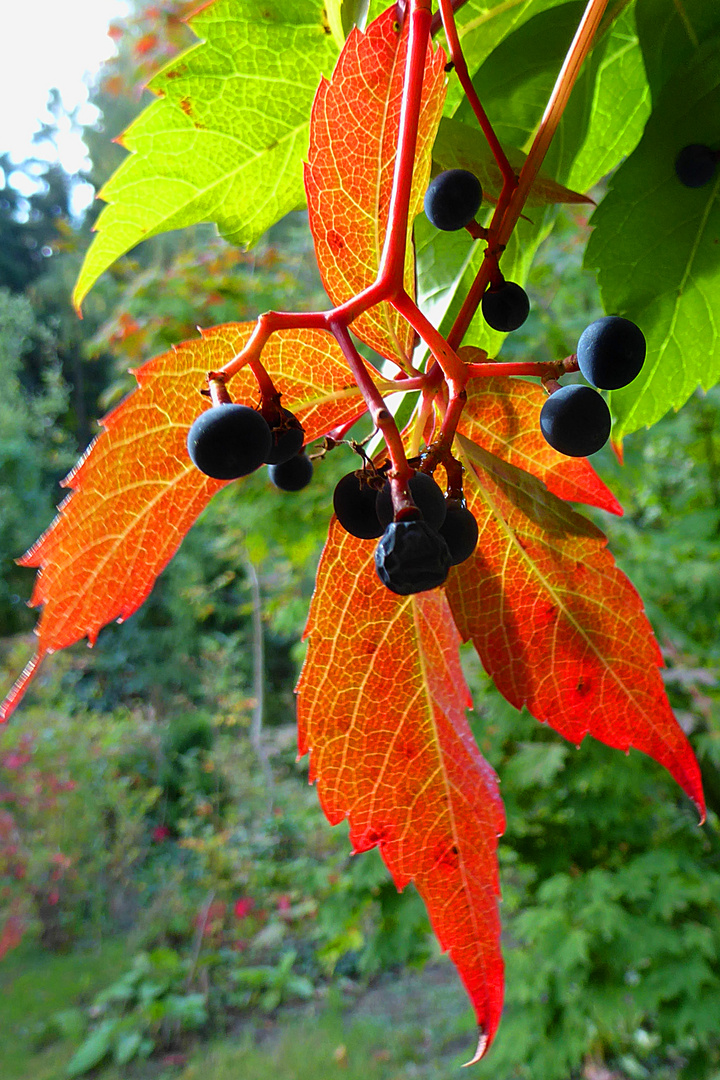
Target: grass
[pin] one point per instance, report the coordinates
(417, 1026)
(34, 984)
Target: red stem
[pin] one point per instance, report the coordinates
(452, 366)
(381, 416)
(392, 260)
(508, 210)
(530, 367)
(437, 19)
(458, 58)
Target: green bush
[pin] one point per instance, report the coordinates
(611, 914)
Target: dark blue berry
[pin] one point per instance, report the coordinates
(288, 437)
(292, 475)
(695, 165)
(611, 352)
(228, 441)
(411, 558)
(505, 307)
(354, 501)
(459, 531)
(575, 420)
(453, 199)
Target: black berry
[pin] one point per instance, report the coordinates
(354, 502)
(695, 165)
(459, 531)
(575, 420)
(228, 441)
(453, 199)
(426, 495)
(611, 352)
(288, 437)
(292, 475)
(505, 307)
(411, 558)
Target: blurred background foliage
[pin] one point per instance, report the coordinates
(169, 888)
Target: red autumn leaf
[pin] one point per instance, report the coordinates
(557, 626)
(381, 708)
(349, 175)
(502, 417)
(135, 494)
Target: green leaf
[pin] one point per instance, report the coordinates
(463, 146)
(670, 33)
(96, 1047)
(189, 1009)
(608, 106)
(608, 109)
(343, 15)
(481, 28)
(516, 79)
(70, 1023)
(227, 139)
(656, 249)
(127, 1046)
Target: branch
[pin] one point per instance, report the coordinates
(579, 48)
(447, 9)
(389, 281)
(508, 213)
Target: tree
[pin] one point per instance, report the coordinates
(382, 697)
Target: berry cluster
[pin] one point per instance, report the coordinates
(228, 441)
(415, 553)
(575, 420)
(430, 532)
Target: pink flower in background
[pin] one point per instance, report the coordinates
(283, 903)
(160, 833)
(243, 907)
(15, 760)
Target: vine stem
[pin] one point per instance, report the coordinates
(447, 13)
(437, 19)
(443, 354)
(380, 415)
(389, 281)
(576, 54)
(507, 213)
(538, 368)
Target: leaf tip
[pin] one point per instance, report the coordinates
(482, 1046)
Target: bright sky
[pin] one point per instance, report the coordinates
(47, 43)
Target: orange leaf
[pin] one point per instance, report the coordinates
(557, 626)
(136, 493)
(349, 175)
(381, 708)
(502, 416)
